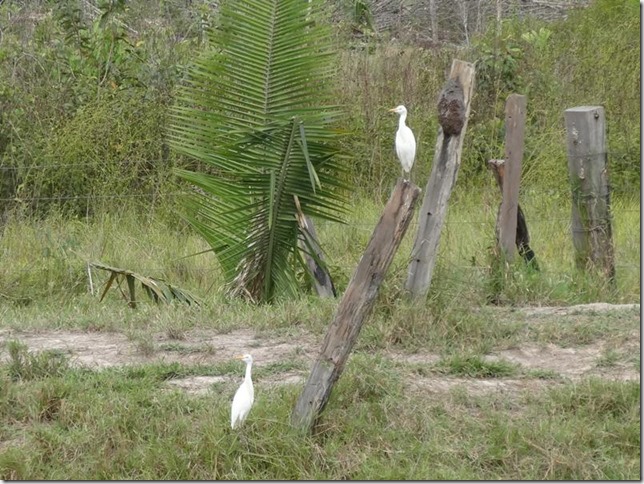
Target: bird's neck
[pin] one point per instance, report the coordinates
(401, 120)
(248, 371)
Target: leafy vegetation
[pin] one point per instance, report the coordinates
(255, 111)
(84, 102)
(87, 173)
(112, 75)
(156, 289)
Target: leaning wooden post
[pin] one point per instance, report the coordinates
(515, 113)
(591, 219)
(322, 282)
(447, 159)
(313, 256)
(356, 304)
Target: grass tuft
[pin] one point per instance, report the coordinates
(474, 366)
(26, 365)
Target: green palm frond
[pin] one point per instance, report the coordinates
(257, 112)
(157, 289)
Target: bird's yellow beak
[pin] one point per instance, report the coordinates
(239, 357)
(392, 110)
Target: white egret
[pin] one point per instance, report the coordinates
(244, 396)
(405, 141)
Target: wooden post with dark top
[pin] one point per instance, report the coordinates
(356, 304)
(591, 218)
(452, 114)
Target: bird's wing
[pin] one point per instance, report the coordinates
(405, 145)
(242, 401)
(241, 404)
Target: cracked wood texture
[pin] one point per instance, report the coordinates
(447, 159)
(356, 304)
(591, 218)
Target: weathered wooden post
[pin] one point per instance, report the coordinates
(454, 110)
(321, 279)
(515, 114)
(322, 282)
(591, 219)
(356, 304)
(523, 236)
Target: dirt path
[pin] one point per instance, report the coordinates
(104, 349)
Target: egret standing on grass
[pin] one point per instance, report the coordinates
(244, 396)
(405, 141)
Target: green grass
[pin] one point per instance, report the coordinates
(575, 330)
(126, 424)
(185, 349)
(474, 366)
(46, 263)
(26, 365)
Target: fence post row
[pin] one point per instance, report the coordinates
(591, 219)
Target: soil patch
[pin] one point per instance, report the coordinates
(105, 349)
(579, 309)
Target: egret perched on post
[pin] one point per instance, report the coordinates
(405, 141)
(244, 396)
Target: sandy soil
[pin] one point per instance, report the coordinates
(105, 349)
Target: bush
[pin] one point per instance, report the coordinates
(94, 92)
(590, 58)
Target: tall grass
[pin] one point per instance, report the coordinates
(127, 424)
(47, 260)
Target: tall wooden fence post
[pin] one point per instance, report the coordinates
(523, 236)
(591, 219)
(356, 304)
(447, 159)
(515, 114)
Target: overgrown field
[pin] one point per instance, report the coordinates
(486, 394)
(449, 389)
(542, 384)
(47, 259)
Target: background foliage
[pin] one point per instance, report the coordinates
(86, 88)
(90, 88)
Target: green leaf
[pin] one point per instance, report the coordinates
(156, 289)
(313, 176)
(256, 110)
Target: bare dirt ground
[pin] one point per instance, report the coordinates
(106, 349)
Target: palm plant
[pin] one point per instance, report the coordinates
(255, 111)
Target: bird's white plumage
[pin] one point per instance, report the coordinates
(244, 397)
(405, 141)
